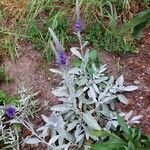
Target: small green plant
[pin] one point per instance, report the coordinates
(3, 76)
(126, 139)
(12, 112)
(7, 100)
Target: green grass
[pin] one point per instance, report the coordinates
(30, 21)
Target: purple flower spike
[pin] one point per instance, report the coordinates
(62, 58)
(77, 26)
(58, 49)
(10, 111)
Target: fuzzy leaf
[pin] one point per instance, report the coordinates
(91, 122)
(76, 52)
(61, 107)
(32, 141)
(130, 88)
(53, 139)
(60, 93)
(55, 71)
(122, 99)
(72, 125)
(120, 81)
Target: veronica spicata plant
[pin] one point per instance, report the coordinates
(12, 116)
(87, 98)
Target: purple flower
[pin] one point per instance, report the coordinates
(62, 58)
(77, 26)
(10, 111)
(58, 49)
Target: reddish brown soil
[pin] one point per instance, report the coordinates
(136, 69)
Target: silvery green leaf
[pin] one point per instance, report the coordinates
(111, 80)
(85, 88)
(79, 138)
(84, 44)
(13, 121)
(32, 141)
(94, 67)
(82, 82)
(120, 81)
(122, 99)
(90, 121)
(66, 100)
(74, 71)
(128, 115)
(115, 123)
(101, 95)
(130, 88)
(136, 118)
(53, 139)
(92, 93)
(60, 93)
(61, 107)
(72, 125)
(62, 147)
(101, 79)
(110, 98)
(80, 104)
(45, 118)
(55, 71)
(85, 59)
(79, 92)
(102, 69)
(108, 125)
(95, 88)
(45, 131)
(76, 52)
(66, 135)
(68, 115)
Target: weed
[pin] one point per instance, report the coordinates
(3, 76)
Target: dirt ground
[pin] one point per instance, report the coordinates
(136, 69)
(33, 71)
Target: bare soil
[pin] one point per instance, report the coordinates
(136, 69)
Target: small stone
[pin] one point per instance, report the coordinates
(141, 97)
(136, 82)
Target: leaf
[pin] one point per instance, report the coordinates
(90, 120)
(82, 81)
(46, 119)
(55, 71)
(139, 18)
(120, 81)
(79, 138)
(130, 88)
(112, 144)
(32, 141)
(72, 125)
(130, 146)
(60, 93)
(61, 107)
(122, 124)
(85, 43)
(53, 139)
(76, 52)
(93, 54)
(77, 62)
(122, 99)
(109, 98)
(136, 118)
(103, 133)
(92, 93)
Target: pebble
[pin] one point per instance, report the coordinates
(137, 82)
